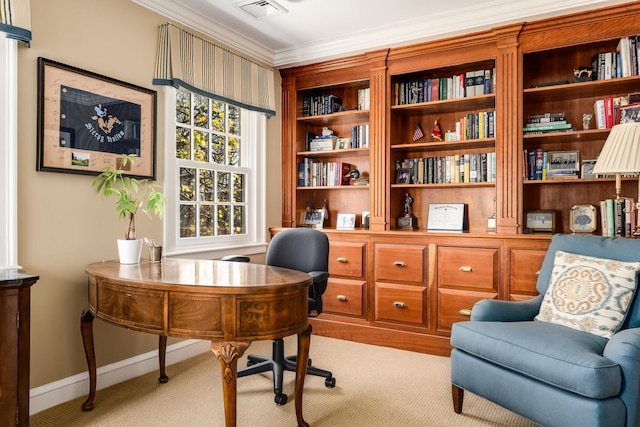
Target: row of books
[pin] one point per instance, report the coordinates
(618, 217)
(364, 99)
(458, 168)
(611, 111)
(623, 62)
(359, 139)
(319, 105)
(474, 126)
(316, 173)
(546, 122)
(472, 83)
(541, 165)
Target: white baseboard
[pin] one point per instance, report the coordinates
(66, 389)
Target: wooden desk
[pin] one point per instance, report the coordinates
(229, 303)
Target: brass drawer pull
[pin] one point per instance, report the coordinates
(342, 260)
(400, 264)
(466, 268)
(342, 297)
(399, 304)
(465, 312)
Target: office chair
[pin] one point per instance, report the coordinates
(301, 249)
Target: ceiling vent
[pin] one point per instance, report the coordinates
(261, 9)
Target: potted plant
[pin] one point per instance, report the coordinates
(131, 194)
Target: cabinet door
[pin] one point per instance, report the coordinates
(8, 356)
(524, 266)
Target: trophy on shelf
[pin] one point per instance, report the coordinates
(408, 221)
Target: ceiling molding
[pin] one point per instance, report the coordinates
(478, 18)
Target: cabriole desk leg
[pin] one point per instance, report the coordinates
(86, 327)
(304, 340)
(228, 354)
(162, 357)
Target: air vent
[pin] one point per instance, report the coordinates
(261, 9)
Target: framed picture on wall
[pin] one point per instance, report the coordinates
(87, 121)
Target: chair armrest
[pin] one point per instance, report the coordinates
(490, 310)
(624, 349)
(318, 276)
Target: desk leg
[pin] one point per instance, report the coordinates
(86, 327)
(304, 340)
(162, 357)
(228, 354)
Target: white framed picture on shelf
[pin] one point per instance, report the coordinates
(346, 221)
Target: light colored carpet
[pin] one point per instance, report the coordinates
(375, 386)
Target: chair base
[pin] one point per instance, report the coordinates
(277, 365)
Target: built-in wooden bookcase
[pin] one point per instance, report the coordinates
(551, 58)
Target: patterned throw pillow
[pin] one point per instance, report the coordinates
(589, 294)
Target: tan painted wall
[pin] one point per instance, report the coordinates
(63, 224)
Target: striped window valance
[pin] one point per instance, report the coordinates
(189, 61)
(15, 19)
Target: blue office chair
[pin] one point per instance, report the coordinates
(301, 249)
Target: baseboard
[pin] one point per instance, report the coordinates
(70, 388)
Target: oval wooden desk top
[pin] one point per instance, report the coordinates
(220, 277)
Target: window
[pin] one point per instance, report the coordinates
(213, 176)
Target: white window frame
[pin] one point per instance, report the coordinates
(253, 156)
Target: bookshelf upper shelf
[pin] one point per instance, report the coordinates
(447, 106)
(597, 88)
(342, 117)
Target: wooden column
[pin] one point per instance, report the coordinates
(508, 131)
(289, 170)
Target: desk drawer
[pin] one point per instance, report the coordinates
(344, 296)
(400, 263)
(401, 303)
(455, 306)
(346, 259)
(469, 268)
(138, 308)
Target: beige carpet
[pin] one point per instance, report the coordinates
(375, 386)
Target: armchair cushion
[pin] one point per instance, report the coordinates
(554, 354)
(588, 293)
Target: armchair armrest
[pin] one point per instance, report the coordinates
(624, 349)
(318, 276)
(490, 310)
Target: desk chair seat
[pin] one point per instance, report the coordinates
(301, 249)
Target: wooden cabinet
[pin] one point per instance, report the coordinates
(15, 297)
(411, 286)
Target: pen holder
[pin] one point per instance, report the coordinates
(155, 254)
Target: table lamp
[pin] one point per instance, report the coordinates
(621, 154)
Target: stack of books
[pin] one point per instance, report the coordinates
(547, 122)
(618, 217)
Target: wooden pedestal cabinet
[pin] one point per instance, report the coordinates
(15, 296)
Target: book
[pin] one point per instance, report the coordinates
(608, 112)
(599, 114)
(610, 217)
(546, 127)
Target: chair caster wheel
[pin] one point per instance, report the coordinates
(330, 382)
(281, 399)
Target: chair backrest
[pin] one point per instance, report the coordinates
(616, 248)
(302, 249)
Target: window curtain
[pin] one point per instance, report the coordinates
(188, 61)
(15, 19)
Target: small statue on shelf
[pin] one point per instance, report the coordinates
(407, 221)
(436, 133)
(586, 119)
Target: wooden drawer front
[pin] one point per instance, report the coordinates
(463, 267)
(524, 265)
(346, 259)
(344, 296)
(195, 314)
(136, 308)
(401, 303)
(455, 306)
(400, 263)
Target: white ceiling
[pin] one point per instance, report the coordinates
(316, 30)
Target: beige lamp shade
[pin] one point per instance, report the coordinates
(621, 151)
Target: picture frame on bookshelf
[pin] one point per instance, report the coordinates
(630, 113)
(583, 219)
(314, 218)
(587, 169)
(563, 163)
(346, 221)
(540, 221)
(403, 176)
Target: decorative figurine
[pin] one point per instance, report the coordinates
(408, 221)
(586, 118)
(356, 179)
(436, 133)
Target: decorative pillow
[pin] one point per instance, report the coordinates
(589, 294)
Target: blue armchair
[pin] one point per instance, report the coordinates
(550, 373)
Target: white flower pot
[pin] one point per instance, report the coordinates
(129, 251)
